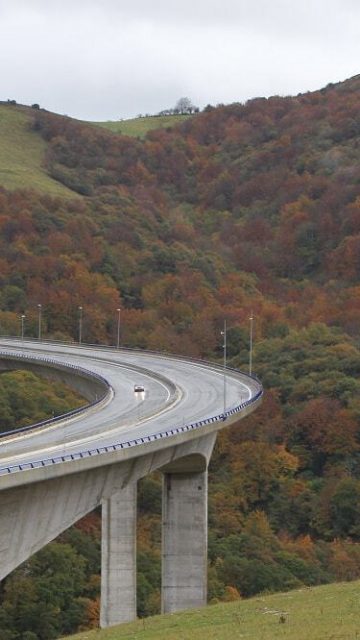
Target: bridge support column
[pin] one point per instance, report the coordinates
(184, 541)
(118, 558)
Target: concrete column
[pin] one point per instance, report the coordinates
(184, 541)
(118, 558)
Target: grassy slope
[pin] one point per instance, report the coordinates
(21, 153)
(138, 127)
(318, 613)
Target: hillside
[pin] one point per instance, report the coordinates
(265, 193)
(22, 153)
(244, 209)
(297, 615)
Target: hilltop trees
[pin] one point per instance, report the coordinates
(183, 106)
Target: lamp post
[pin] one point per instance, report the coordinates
(80, 324)
(223, 333)
(39, 321)
(251, 343)
(22, 326)
(118, 329)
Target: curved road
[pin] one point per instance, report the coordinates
(177, 392)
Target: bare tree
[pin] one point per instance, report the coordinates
(185, 106)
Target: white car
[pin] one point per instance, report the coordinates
(139, 388)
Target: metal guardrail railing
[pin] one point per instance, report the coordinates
(36, 464)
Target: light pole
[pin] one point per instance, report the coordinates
(118, 329)
(39, 321)
(223, 333)
(251, 343)
(22, 326)
(80, 324)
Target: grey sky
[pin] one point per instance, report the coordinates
(107, 59)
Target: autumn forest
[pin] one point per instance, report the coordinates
(242, 209)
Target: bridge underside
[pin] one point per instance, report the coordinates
(34, 514)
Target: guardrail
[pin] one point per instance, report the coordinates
(35, 464)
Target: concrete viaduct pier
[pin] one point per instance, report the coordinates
(54, 474)
(184, 539)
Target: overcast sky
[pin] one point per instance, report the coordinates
(112, 59)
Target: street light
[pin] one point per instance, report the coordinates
(39, 322)
(22, 326)
(80, 324)
(251, 343)
(223, 333)
(118, 329)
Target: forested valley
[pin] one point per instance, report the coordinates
(241, 210)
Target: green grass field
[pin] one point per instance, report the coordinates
(330, 612)
(21, 154)
(138, 127)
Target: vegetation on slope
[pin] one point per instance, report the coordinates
(22, 153)
(26, 398)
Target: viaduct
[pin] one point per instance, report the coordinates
(54, 473)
